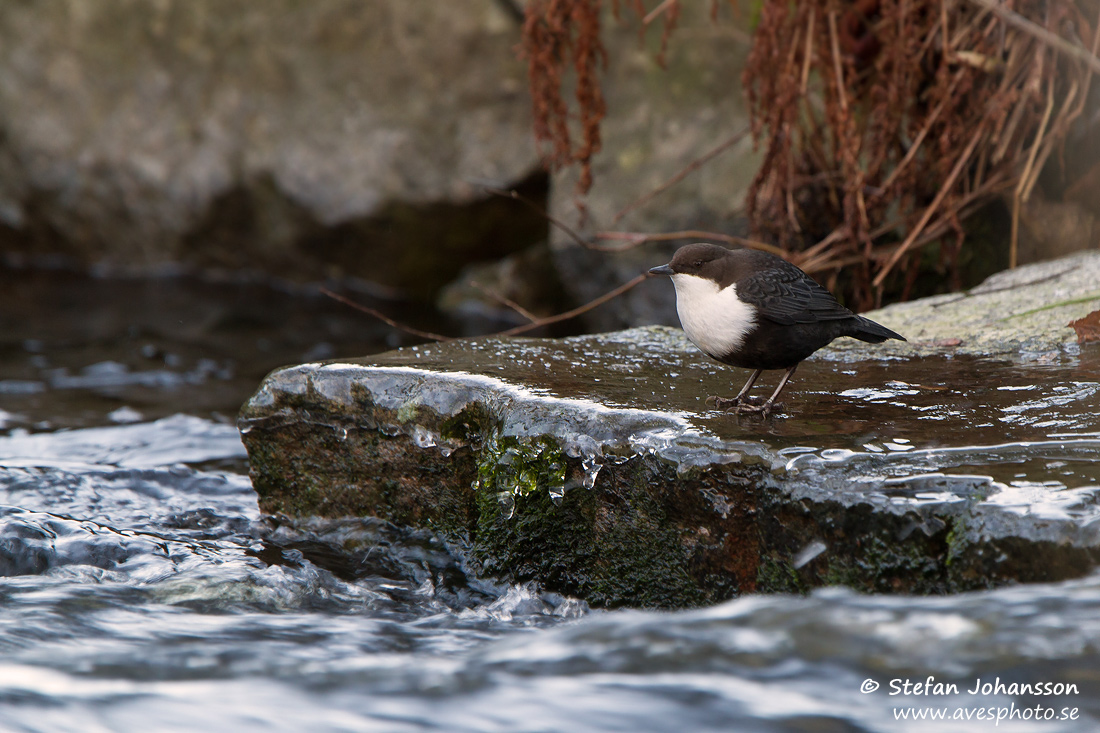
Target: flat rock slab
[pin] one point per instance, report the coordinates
(594, 466)
(1022, 313)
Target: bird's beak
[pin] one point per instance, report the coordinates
(662, 270)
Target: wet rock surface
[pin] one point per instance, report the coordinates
(594, 466)
(1022, 313)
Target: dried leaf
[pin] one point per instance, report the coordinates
(1087, 328)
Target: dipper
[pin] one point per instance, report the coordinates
(754, 310)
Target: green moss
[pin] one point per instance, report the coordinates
(778, 576)
(642, 535)
(885, 566)
(610, 553)
(508, 467)
(958, 540)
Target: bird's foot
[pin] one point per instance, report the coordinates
(728, 403)
(719, 402)
(765, 409)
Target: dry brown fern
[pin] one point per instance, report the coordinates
(555, 34)
(908, 133)
(560, 33)
(884, 123)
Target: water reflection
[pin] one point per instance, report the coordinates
(74, 348)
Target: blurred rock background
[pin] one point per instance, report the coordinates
(357, 143)
(336, 139)
(333, 138)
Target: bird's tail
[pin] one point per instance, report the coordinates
(867, 330)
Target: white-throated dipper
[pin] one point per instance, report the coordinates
(754, 310)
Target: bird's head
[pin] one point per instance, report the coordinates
(708, 261)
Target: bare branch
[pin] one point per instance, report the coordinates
(385, 319)
(535, 323)
(657, 11)
(576, 311)
(504, 301)
(947, 185)
(516, 195)
(808, 54)
(687, 170)
(634, 239)
(836, 61)
(1018, 195)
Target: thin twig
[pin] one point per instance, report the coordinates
(504, 301)
(931, 232)
(536, 323)
(1056, 134)
(809, 52)
(911, 153)
(636, 238)
(963, 32)
(861, 204)
(576, 311)
(687, 170)
(1008, 132)
(1074, 187)
(516, 195)
(791, 217)
(386, 319)
(1042, 34)
(944, 189)
(657, 11)
(836, 61)
(1088, 76)
(806, 255)
(1017, 198)
(946, 34)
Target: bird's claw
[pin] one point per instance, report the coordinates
(723, 403)
(744, 404)
(765, 409)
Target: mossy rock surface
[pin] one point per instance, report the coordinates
(593, 466)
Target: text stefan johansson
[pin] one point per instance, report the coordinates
(930, 686)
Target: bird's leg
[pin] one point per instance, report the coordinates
(721, 402)
(748, 385)
(767, 407)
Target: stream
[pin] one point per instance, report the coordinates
(141, 589)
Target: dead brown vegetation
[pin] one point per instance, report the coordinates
(884, 123)
(555, 34)
(560, 33)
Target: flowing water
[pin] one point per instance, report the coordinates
(142, 590)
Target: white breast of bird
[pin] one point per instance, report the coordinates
(713, 318)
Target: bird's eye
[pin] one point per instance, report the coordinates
(698, 263)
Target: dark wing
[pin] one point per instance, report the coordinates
(786, 295)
